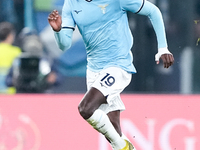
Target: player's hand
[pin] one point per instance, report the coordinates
(55, 20)
(166, 57)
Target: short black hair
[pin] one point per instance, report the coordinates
(5, 29)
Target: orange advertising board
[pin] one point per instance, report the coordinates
(52, 122)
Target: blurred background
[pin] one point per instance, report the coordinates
(42, 68)
(162, 104)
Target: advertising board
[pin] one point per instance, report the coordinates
(49, 122)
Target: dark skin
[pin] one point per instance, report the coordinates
(167, 60)
(94, 98)
(91, 101)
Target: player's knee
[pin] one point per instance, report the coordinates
(85, 111)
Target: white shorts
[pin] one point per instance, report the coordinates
(110, 82)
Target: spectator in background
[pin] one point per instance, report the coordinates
(8, 53)
(32, 72)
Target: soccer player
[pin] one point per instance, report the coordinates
(104, 27)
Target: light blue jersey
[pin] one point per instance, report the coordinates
(104, 27)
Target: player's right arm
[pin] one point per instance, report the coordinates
(63, 36)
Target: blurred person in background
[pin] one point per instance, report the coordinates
(108, 40)
(8, 53)
(32, 71)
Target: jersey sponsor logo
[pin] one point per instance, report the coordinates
(103, 8)
(77, 11)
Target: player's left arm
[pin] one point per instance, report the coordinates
(155, 16)
(146, 8)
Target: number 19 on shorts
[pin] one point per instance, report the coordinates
(108, 79)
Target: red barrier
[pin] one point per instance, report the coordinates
(52, 122)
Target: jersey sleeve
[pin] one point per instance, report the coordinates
(156, 19)
(64, 36)
(67, 18)
(132, 5)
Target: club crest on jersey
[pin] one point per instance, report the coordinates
(103, 8)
